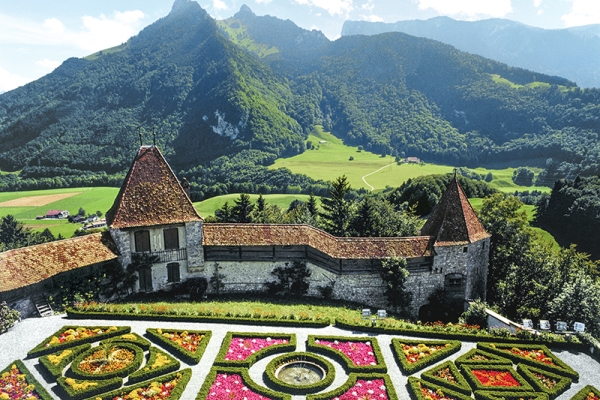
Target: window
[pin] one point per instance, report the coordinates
(465, 249)
(173, 273)
(455, 281)
(142, 241)
(171, 237)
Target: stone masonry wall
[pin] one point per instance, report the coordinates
(122, 240)
(193, 244)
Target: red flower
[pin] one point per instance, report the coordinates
(495, 378)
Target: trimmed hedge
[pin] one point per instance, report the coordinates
(131, 337)
(342, 358)
(585, 392)
(148, 372)
(495, 395)
(503, 350)
(495, 359)
(415, 384)
(123, 372)
(278, 348)
(186, 374)
(77, 314)
(452, 347)
(562, 382)
(44, 348)
(461, 385)
(477, 385)
(56, 369)
(352, 378)
(204, 394)
(99, 386)
(271, 380)
(37, 387)
(156, 335)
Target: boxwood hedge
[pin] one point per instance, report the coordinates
(61, 359)
(156, 335)
(76, 389)
(562, 383)
(584, 393)
(342, 358)
(451, 347)
(123, 372)
(496, 395)
(504, 350)
(45, 348)
(150, 371)
(352, 379)
(415, 385)
(131, 337)
(478, 356)
(476, 384)
(278, 348)
(204, 392)
(277, 384)
(460, 384)
(37, 387)
(184, 375)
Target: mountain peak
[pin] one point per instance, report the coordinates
(180, 5)
(245, 11)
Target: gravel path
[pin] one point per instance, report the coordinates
(15, 344)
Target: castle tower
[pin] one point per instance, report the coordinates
(153, 216)
(461, 246)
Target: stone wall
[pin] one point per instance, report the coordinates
(479, 255)
(122, 240)
(193, 244)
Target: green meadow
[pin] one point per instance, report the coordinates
(330, 159)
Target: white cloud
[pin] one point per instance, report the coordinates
(468, 8)
(47, 65)
(9, 81)
(101, 33)
(263, 1)
(219, 5)
(583, 12)
(371, 18)
(537, 3)
(333, 7)
(368, 6)
(54, 25)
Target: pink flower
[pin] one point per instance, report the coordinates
(242, 348)
(355, 350)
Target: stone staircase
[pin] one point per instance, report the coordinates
(42, 305)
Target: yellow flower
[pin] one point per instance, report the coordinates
(129, 336)
(112, 328)
(4, 396)
(159, 331)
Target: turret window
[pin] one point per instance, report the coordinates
(142, 241)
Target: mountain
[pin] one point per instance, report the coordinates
(573, 53)
(226, 98)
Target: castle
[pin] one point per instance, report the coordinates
(153, 215)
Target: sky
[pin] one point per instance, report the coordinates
(36, 36)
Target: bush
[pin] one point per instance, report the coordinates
(76, 389)
(150, 371)
(8, 317)
(56, 362)
(476, 314)
(292, 280)
(523, 176)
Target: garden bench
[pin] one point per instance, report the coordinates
(579, 327)
(544, 325)
(527, 324)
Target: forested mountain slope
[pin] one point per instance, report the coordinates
(227, 98)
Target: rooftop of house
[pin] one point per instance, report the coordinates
(306, 235)
(29, 265)
(150, 195)
(453, 221)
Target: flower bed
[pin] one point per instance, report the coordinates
(16, 382)
(495, 377)
(130, 338)
(244, 349)
(76, 389)
(69, 336)
(531, 354)
(447, 375)
(415, 355)
(233, 383)
(169, 387)
(424, 390)
(354, 353)
(56, 362)
(545, 381)
(495, 395)
(477, 356)
(159, 363)
(187, 345)
(371, 386)
(108, 361)
(282, 386)
(587, 393)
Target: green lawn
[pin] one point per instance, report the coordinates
(331, 159)
(90, 199)
(208, 207)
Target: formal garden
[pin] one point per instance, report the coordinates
(133, 356)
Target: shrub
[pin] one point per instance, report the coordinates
(131, 337)
(476, 314)
(477, 356)
(76, 389)
(458, 385)
(291, 280)
(585, 393)
(416, 385)
(159, 363)
(56, 362)
(508, 395)
(8, 317)
(531, 374)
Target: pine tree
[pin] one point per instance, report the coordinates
(336, 210)
(224, 214)
(242, 210)
(312, 205)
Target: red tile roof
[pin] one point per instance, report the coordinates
(150, 195)
(453, 221)
(306, 235)
(29, 265)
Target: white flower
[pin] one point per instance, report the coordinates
(354, 394)
(382, 387)
(370, 391)
(268, 339)
(336, 342)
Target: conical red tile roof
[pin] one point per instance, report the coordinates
(453, 221)
(150, 195)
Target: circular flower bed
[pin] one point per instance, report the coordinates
(240, 348)
(359, 352)
(314, 373)
(107, 361)
(493, 378)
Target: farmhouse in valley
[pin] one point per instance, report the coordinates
(153, 215)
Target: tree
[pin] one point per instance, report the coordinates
(523, 176)
(242, 210)
(394, 275)
(13, 234)
(81, 212)
(291, 280)
(260, 203)
(312, 205)
(336, 209)
(365, 222)
(224, 214)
